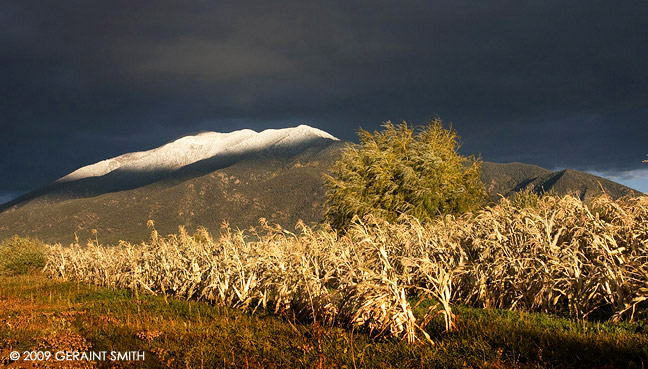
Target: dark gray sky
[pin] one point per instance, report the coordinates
(553, 83)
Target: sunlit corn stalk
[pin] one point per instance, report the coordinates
(560, 255)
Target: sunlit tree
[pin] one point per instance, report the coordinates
(401, 170)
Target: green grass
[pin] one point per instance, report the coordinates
(37, 313)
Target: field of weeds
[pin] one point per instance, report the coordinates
(553, 255)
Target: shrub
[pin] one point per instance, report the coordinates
(403, 171)
(20, 255)
(525, 198)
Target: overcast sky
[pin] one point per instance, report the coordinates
(553, 83)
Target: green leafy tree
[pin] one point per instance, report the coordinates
(401, 170)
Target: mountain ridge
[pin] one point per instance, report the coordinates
(133, 170)
(190, 149)
(505, 179)
(280, 178)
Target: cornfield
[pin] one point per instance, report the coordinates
(559, 255)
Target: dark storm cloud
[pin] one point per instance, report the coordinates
(558, 84)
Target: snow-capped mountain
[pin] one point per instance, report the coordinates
(201, 179)
(191, 149)
(205, 179)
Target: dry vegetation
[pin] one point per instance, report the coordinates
(550, 254)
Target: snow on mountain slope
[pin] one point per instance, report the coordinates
(190, 149)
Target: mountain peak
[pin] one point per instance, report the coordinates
(190, 149)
